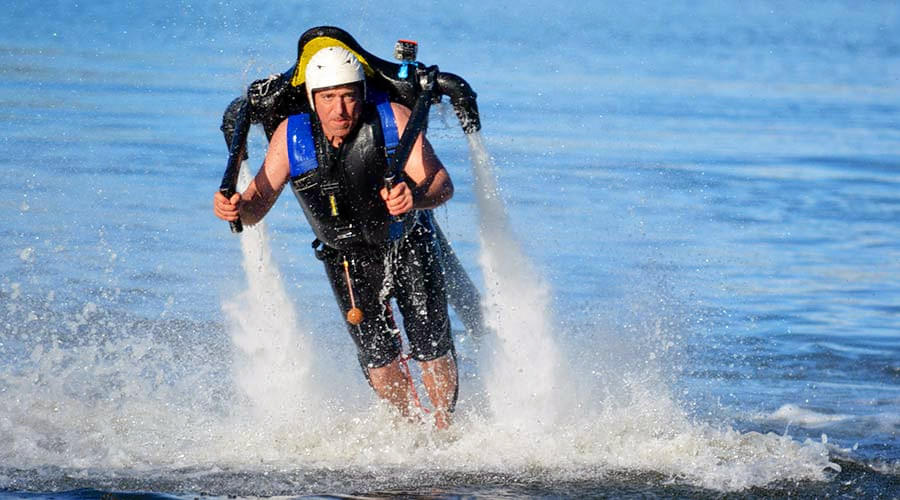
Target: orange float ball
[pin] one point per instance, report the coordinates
(354, 316)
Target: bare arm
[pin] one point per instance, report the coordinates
(433, 185)
(254, 203)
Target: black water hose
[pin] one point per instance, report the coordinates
(463, 99)
(418, 120)
(236, 150)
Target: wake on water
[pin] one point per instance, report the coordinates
(120, 401)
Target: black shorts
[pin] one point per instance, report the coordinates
(409, 272)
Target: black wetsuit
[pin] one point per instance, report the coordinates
(405, 268)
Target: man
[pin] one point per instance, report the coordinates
(372, 241)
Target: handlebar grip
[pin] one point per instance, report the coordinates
(236, 225)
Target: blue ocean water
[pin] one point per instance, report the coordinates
(705, 195)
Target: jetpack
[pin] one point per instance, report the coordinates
(270, 100)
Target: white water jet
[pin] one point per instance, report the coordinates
(273, 365)
(525, 380)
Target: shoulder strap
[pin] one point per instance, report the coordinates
(300, 144)
(388, 122)
(399, 226)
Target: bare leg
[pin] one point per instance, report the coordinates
(391, 384)
(440, 379)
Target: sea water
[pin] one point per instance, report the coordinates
(683, 220)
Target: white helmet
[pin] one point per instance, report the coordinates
(330, 67)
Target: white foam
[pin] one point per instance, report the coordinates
(796, 415)
(124, 401)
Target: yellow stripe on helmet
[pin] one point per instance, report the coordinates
(317, 44)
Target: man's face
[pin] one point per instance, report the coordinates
(338, 109)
